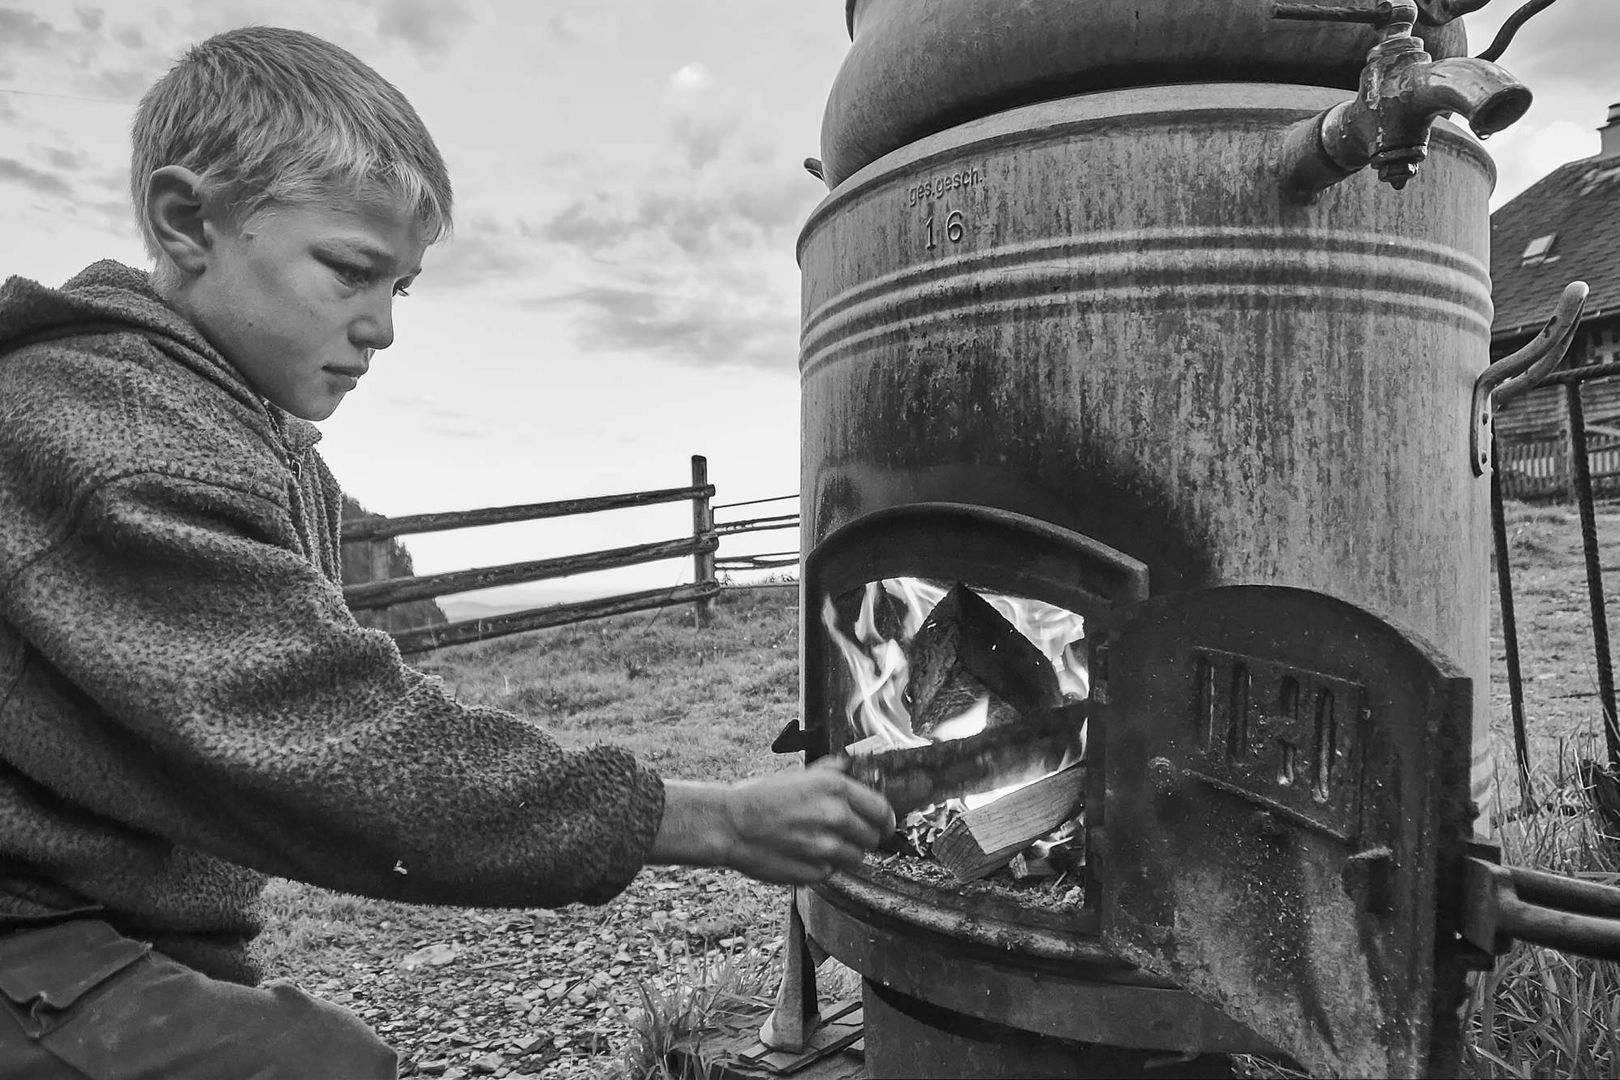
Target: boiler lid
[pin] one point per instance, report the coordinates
(916, 67)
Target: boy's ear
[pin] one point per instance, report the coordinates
(176, 213)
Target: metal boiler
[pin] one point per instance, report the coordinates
(1103, 308)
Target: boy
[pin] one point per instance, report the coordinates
(186, 704)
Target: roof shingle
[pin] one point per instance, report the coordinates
(1580, 202)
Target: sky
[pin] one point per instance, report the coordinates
(620, 291)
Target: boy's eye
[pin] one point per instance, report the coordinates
(400, 290)
(352, 276)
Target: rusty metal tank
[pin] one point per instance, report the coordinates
(916, 67)
(1104, 312)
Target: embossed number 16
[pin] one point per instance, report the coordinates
(954, 228)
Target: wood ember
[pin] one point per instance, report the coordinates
(988, 837)
(964, 651)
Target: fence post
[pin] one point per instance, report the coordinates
(702, 524)
(1567, 490)
(381, 570)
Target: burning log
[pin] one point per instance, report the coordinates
(988, 837)
(965, 651)
(914, 777)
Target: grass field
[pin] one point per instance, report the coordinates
(593, 992)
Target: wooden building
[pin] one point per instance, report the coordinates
(1563, 228)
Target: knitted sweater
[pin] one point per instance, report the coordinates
(186, 703)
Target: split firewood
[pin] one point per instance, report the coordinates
(987, 837)
(965, 650)
(1025, 866)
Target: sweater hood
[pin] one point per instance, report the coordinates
(109, 297)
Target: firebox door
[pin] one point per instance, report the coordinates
(1286, 787)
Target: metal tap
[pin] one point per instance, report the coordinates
(1402, 91)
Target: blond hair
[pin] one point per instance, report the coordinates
(265, 115)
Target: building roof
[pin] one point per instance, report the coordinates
(1578, 206)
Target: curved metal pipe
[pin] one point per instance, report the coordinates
(1505, 33)
(1521, 370)
(1387, 123)
(1490, 98)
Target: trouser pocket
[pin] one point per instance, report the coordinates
(44, 973)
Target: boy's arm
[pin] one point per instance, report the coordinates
(197, 680)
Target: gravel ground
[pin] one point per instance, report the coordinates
(552, 995)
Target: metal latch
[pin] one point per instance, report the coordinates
(793, 739)
(1504, 903)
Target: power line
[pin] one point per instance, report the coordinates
(68, 97)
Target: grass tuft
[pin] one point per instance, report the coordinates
(1539, 1012)
(681, 1015)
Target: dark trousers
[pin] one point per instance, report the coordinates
(78, 1001)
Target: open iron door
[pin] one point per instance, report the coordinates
(1285, 775)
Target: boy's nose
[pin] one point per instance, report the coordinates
(374, 329)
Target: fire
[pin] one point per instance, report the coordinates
(881, 672)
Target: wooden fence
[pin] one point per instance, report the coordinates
(1542, 467)
(383, 592)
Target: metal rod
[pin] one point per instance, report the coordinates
(1565, 893)
(762, 524)
(1510, 630)
(754, 502)
(1594, 573)
(1584, 935)
(1326, 13)
(1505, 34)
(1582, 374)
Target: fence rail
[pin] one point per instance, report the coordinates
(383, 592)
(517, 622)
(387, 528)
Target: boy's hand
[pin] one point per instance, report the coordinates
(790, 828)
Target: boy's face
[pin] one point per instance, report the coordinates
(299, 296)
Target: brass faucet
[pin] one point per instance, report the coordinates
(1402, 90)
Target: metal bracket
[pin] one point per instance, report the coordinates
(1521, 371)
(1503, 903)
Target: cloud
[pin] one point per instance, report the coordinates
(692, 260)
(23, 31)
(1524, 156)
(561, 28)
(33, 178)
(1561, 54)
(432, 27)
(481, 251)
(700, 115)
(66, 159)
(701, 328)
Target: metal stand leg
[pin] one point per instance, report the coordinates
(794, 1019)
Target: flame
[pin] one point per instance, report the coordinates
(880, 671)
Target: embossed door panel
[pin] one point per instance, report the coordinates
(1285, 775)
